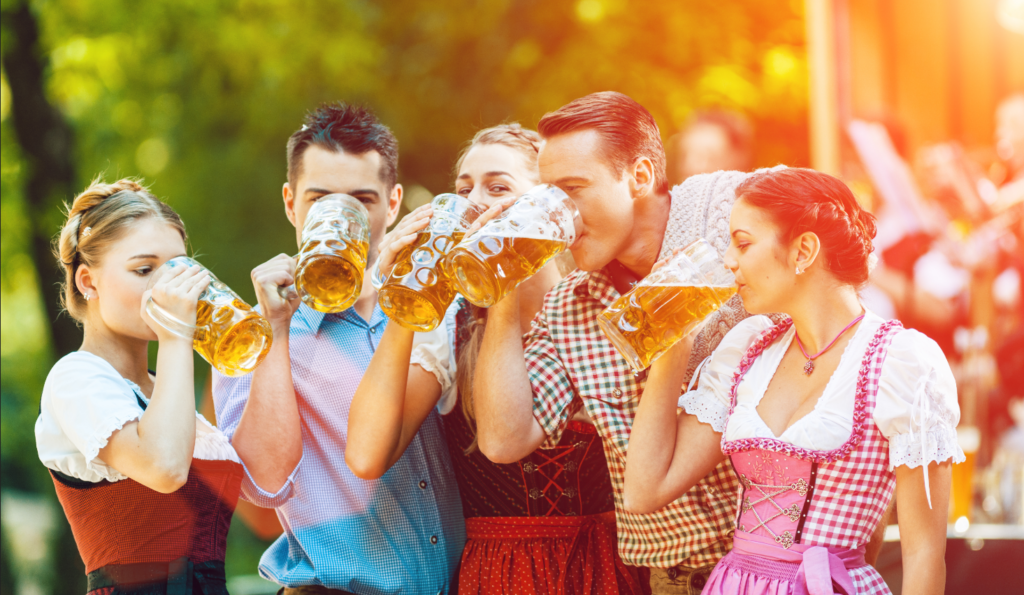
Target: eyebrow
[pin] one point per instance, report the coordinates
(144, 256)
(362, 191)
(488, 174)
(568, 179)
(740, 231)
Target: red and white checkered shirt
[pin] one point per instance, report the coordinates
(570, 362)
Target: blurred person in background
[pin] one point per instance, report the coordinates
(148, 485)
(543, 524)
(711, 141)
(401, 533)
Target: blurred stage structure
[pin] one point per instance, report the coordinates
(904, 96)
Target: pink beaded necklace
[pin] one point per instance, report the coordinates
(809, 366)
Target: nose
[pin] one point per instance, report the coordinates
(730, 261)
(476, 195)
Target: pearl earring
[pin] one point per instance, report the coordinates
(798, 271)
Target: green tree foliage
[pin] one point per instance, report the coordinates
(199, 96)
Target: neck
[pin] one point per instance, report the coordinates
(128, 355)
(650, 218)
(821, 315)
(532, 292)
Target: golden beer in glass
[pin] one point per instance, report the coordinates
(418, 290)
(331, 262)
(507, 250)
(228, 333)
(667, 305)
(969, 439)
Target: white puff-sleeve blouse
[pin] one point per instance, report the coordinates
(84, 402)
(434, 352)
(915, 408)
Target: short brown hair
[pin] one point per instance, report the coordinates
(98, 217)
(339, 127)
(629, 130)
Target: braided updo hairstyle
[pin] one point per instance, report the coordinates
(804, 200)
(98, 217)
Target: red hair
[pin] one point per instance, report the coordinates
(804, 200)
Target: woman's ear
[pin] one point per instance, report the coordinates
(84, 282)
(804, 251)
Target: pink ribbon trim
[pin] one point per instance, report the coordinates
(820, 570)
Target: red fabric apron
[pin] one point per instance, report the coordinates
(551, 555)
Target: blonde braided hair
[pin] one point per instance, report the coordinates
(95, 219)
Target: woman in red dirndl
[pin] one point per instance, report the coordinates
(544, 525)
(147, 484)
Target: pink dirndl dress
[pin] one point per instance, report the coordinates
(806, 516)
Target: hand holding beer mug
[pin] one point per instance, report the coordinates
(418, 290)
(506, 251)
(668, 304)
(228, 333)
(335, 243)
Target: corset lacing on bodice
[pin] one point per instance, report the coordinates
(769, 493)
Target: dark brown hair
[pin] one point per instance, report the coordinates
(342, 127)
(804, 200)
(629, 131)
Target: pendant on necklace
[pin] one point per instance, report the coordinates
(808, 367)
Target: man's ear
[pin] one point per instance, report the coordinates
(641, 178)
(289, 202)
(394, 203)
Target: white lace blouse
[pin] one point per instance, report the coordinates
(915, 409)
(84, 402)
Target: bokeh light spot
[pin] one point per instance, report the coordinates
(152, 156)
(590, 11)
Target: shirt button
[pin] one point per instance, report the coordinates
(618, 393)
(423, 485)
(373, 330)
(433, 539)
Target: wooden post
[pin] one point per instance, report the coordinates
(824, 101)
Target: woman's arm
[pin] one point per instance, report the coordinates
(923, 529)
(656, 474)
(389, 406)
(156, 450)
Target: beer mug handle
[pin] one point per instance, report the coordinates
(173, 324)
(288, 292)
(376, 278)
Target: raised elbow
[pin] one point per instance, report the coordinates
(170, 480)
(364, 467)
(498, 451)
(636, 503)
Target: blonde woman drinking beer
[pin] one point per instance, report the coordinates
(823, 415)
(542, 525)
(148, 485)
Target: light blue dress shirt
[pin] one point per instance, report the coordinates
(402, 533)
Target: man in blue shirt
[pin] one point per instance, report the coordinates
(403, 532)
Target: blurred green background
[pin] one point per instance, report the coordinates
(199, 96)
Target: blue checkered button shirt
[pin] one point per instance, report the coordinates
(402, 533)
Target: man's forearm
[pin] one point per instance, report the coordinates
(502, 395)
(269, 435)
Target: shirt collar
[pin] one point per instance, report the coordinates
(314, 319)
(598, 285)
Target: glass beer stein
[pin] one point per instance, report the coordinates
(668, 304)
(507, 250)
(228, 333)
(335, 243)
(418, 290)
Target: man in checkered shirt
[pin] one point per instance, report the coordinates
(605, 151)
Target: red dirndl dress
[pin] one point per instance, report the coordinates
(544, 525)
(136, 540)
